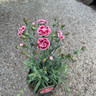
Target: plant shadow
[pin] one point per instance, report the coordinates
(93, 6)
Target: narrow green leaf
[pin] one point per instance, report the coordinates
(67, 33)
(27, 64)
(54, 81)
(32, 74)
(38, 75)
(63, 68)
(43, 84)
(37, 86)
(83, 48)
(66, 88)
(77, 52)
(46, 82)
(34, 68)
(18, 94)
(22, 91)
(29, 81)
(46, 78)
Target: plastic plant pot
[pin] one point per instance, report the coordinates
(47, 91)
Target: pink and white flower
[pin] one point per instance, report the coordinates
(21, 44)
(21, 31)
(42, 22)
(43, 43)
(60, 36)
(44, 30)
(51, 57)
(33, 23)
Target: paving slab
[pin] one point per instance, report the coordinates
(80, 21)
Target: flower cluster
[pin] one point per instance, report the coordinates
(42, 47)
(21, 31)
(42, 43)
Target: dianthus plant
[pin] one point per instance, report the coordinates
(42, 46)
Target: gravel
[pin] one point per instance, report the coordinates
(80, 21)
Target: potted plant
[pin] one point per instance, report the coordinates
(46, 61)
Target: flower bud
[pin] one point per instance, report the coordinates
(21, 44)
(58, 24)
(44, 60)
(26, 22)
(60, 49)
(33, 23)
(62, 27)
(51, 57)
(55, 19)
(62, 55)
(44, 69)
(69, 55)
(25, 40)
(56, 31)
(33, 28)
(24, 37)
(23, 53)
(26, 34)
(28, 56)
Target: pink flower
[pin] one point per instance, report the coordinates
(42, 22)
(21, 31)
(21, 44)
(19, 34)
(51, 57)
(43, 43)
(60, 35)
(33, 23)
(23, 28)
(43, 31)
